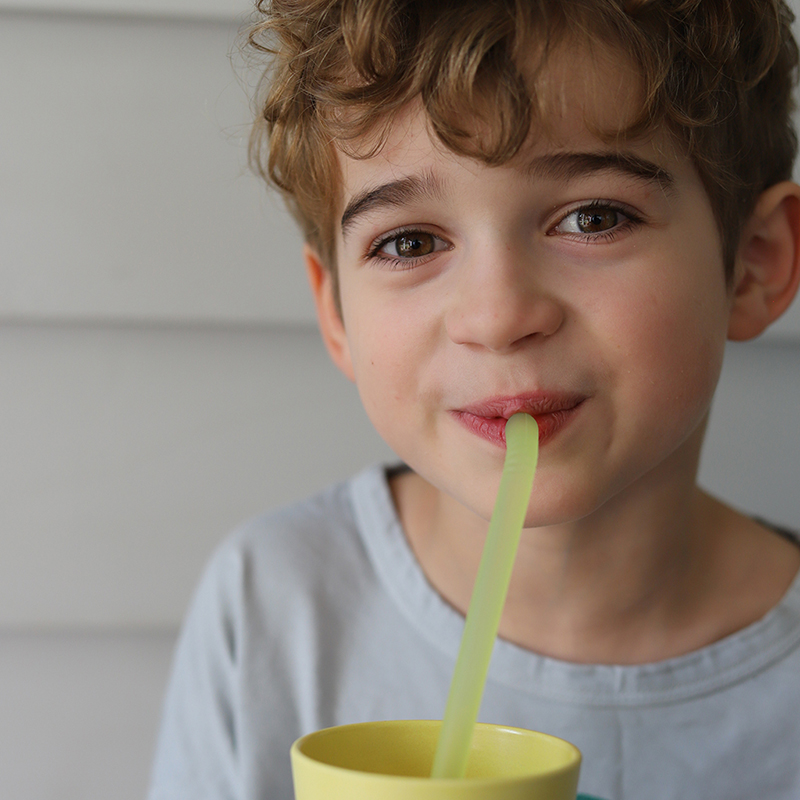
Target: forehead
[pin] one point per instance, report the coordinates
(585, 86)
(586, 98)
(580, 92)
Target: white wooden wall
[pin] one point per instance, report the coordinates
(160, 377)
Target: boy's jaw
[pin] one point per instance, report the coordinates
(553, 411)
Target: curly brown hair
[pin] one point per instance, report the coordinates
(719, 74)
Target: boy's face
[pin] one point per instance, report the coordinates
(582, 282)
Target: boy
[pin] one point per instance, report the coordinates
(562, 208)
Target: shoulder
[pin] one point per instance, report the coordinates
(274, 603)
(301, 547)
(298, 529)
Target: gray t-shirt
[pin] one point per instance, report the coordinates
(319, 615)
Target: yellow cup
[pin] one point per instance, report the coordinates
(392, 761)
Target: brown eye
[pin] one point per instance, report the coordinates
(413, 245)
(597, 220)
(409, 248)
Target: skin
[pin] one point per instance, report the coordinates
(595, 283)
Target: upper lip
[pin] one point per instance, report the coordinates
(532, 403)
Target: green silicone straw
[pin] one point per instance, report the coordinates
(488, 598)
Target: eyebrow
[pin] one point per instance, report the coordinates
(568, 166)
(395, 193)
(556, 166)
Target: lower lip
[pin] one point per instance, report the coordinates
(493, 429)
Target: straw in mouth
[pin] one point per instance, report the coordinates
(488, 597)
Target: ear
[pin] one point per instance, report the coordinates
(330, 321)
(767, 269)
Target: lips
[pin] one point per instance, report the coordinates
(552, 412)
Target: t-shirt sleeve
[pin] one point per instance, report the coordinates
(196, 753)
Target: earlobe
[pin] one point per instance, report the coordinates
(767, 269)
(329, 317)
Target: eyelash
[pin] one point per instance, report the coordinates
(631, 220)
(395, 262)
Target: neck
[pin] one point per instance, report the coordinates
(649, 576)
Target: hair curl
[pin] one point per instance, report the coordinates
(718, 73)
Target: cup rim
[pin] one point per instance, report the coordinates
(574, 757)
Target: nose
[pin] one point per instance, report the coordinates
(500, 302)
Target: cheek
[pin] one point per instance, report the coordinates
(383, 363)
(399, 371)
(676, 340)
